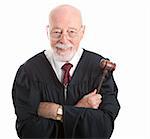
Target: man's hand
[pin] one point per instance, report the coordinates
(92, 100)
(48, 110)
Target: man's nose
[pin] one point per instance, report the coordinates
(64, 38)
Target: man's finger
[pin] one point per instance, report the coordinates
(93, 93)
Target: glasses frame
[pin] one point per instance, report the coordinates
(49, 33)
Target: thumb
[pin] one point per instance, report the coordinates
(93, 93)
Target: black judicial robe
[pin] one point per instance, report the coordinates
(36, 81)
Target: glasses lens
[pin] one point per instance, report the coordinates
(71, 33)
(56, 34)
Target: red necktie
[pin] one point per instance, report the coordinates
(66, 67)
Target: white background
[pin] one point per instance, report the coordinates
(117, 29)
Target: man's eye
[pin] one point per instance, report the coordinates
(57, 32)
(72, 31)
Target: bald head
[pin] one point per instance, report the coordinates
(65, 14)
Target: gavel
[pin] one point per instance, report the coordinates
(106, 66)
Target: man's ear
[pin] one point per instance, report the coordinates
(48, 32)
(82, 30)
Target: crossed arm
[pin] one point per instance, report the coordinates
(49, 109)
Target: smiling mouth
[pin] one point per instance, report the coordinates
(64, 49)
(63, 46)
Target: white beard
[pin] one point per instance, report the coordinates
(63, 56)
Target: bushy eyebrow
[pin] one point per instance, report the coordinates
(73, 28)
(55, 28)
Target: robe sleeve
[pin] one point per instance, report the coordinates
(26, 98)
(93, 123)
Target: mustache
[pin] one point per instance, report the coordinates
(63, 46)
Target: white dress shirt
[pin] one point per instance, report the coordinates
(57, 64)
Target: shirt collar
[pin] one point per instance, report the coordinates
(58, 64)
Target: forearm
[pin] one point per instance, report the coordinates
(80, 120)
(50, 110)
(83, 116)
(38, 125)
(35, 127)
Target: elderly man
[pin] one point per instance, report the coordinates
(54, 92)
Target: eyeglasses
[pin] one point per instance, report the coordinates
(58, 33)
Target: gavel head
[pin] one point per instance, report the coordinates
(107, 65)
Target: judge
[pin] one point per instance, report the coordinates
(54, 92)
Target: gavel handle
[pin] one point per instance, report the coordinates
(101, 81)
